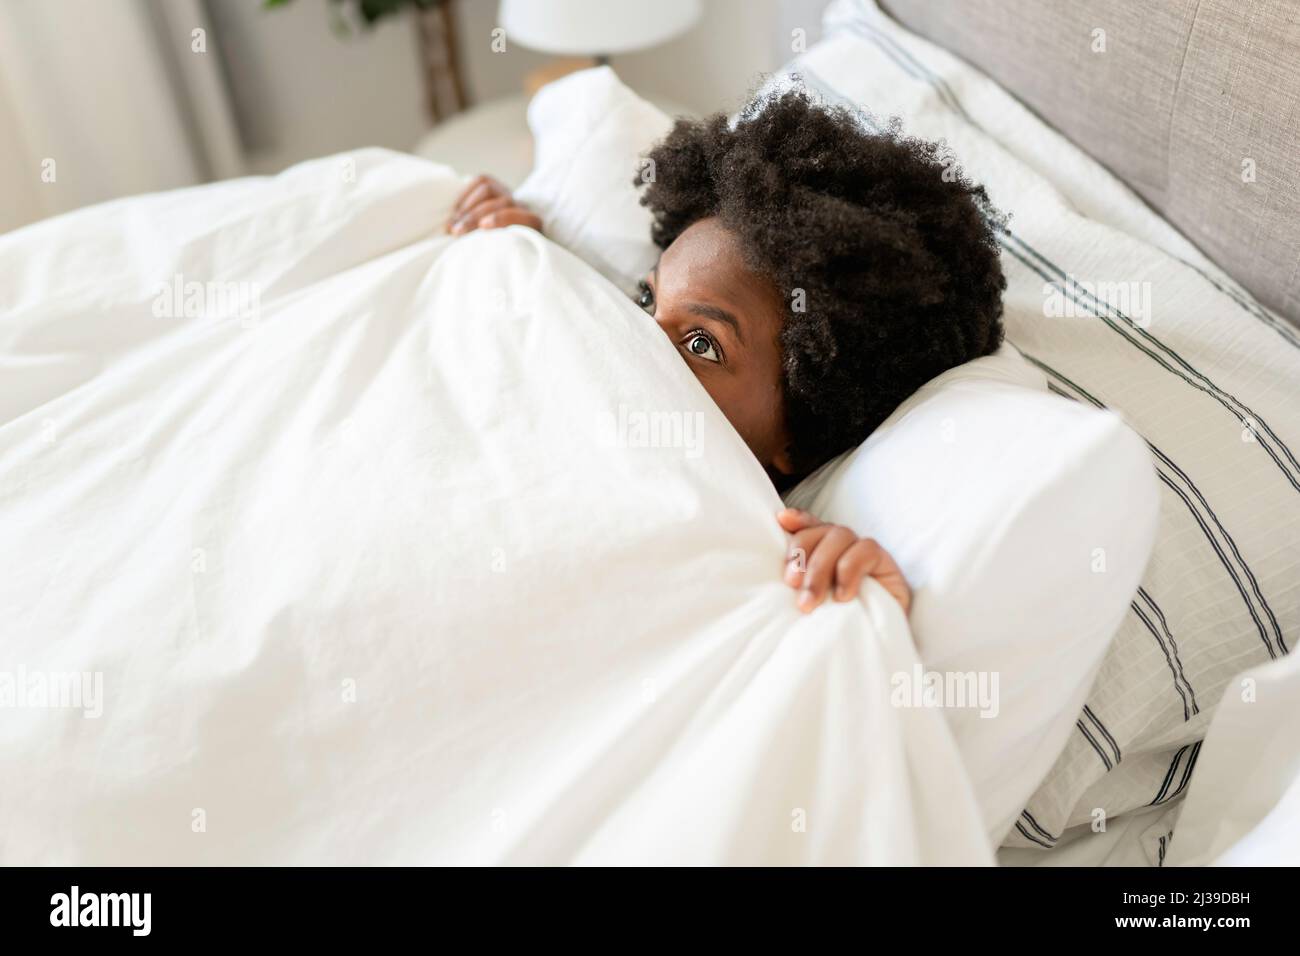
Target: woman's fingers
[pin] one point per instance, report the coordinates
(825, 560)
(486, 203)
(855, 564)
(864, 559)
(792, 519)
(495, 213)
(802, 544)
(472, 218)
(822, 559)
(479, 189)
(890, 575)
(511, 216)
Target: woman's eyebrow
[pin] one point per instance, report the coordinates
(706, 311)
(718, 315)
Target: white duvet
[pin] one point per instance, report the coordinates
(374, 546)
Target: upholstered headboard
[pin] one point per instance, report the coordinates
(1194, 103)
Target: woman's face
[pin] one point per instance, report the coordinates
(724, 318)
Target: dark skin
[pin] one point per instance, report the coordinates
(725, 318)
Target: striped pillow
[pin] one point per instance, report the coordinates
(1121, 312)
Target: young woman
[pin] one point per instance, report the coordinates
(813, 275)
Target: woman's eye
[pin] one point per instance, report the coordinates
(645, 298)
(699, 344)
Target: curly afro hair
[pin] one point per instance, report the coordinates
(893, 250)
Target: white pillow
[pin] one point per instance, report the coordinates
(589, 133)
(997, 529)
(1023, 523)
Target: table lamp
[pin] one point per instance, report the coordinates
(588, 32)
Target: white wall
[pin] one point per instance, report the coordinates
(288, 83)
(301, 90)
(488, 73)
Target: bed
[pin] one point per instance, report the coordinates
(331, 539)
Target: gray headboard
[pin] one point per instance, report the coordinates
(1194, 103)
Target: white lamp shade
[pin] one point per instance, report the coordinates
(595, 27)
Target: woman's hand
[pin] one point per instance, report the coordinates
(828, 558)
(487, 204)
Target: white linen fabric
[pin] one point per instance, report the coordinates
(330, 539)
(1243, 807)
(1120, 312)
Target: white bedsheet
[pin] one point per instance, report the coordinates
(1243, 808)
(377, 569)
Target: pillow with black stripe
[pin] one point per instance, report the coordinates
(1120, 312)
